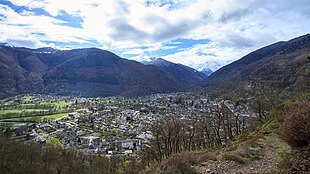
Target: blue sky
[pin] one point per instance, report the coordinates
(191, 32)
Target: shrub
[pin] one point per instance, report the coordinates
(179, 164)
(295, 129)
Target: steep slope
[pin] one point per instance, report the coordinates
(283, 65)
(185, 75)
(98, 72)
(20, 70)
(86, 72)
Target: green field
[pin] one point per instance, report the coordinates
(57, 104)
(44, 104)
(109, 101)
(13, 113)
(36, 118)
(18, 111)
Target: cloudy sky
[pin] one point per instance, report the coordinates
(191, 32)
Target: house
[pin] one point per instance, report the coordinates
(49, 128)
(58, 133)
(128, 152)
(144, 110)
(90, 141)
(128, 144)
(21, 130)
(40, 140)
(73, 114)
(32, 125)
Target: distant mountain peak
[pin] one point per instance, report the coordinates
(206, 71)
(46, 50)
(184, 74)
(158, 62)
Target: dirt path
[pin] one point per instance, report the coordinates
(266, 162)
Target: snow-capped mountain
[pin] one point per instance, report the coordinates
(211, 66)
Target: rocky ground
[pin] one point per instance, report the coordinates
(265, 164)
(261, 155)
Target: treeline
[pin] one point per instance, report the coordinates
(173, 135)
(16, 157)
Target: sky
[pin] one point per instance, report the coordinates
(191, 32)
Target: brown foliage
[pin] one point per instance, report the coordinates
(178, 164)
(297, 162)
(172, 135)
(296, 126)
(31, 158)
(295, 131)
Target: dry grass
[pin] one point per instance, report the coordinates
(233, 157)
(207, 157)
(180, 163)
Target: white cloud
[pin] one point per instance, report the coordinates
(235, 27)
(134, 51)
(200, 54)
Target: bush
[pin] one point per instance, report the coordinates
(295, 129)
(179, 164)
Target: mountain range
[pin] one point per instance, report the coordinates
(282, 66)
(83, 72)
(94, 72)
(187, 76)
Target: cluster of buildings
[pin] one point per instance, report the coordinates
(121, 127)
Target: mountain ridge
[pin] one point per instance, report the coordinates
(282, 65)
(94, 72)
(187, 76)
(85, 72)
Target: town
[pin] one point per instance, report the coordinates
(110, 126)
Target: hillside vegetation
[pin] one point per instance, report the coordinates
(281, 68)
(279, 144)
(276, 79)
(87, 72)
